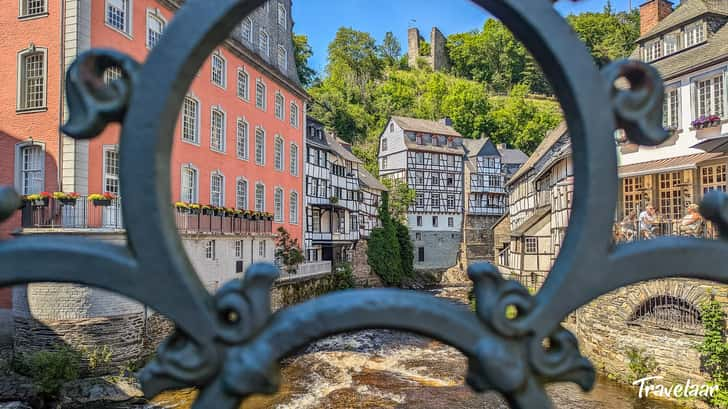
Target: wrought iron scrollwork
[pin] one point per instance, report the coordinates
(229, 345)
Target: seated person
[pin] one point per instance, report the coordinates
(629, 226)
(647, 221)
(692, 223)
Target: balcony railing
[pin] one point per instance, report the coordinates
(627, 232)
(83, 214)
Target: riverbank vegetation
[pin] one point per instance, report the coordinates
(714, 350)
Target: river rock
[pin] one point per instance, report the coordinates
(95, 391)
(16, 388)
(14, 405)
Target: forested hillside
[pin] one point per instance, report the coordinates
(493, 88)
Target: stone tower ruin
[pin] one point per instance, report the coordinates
(437, 60)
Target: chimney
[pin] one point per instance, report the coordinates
(446, 121)
(652, 12)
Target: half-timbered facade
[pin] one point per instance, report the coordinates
(540, 196)
(429, 155)
(332, 196)
(370, 197)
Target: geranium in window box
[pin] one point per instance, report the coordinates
(102, 199)
(206, 210)
(247, 215)
(237, 213)
(182, 207)
(66, 199)
(218, 211)
(268, 216)
(708, 121)
(194, 208)
(38, 199)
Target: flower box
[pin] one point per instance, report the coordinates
(68, 201)
(101, 202)
(706, 122)
(101, 199)
(42, 202)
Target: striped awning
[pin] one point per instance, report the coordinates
(665, 165)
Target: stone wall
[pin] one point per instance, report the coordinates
(441, 248)
(479, 238)
(606, 332)
(363, 274)
(501, 235)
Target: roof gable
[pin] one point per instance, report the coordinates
(425, 126)
(685, 12)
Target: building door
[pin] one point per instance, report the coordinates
(421, 254)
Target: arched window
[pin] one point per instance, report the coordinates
(278, 205)
(668, 312)
(217, 189)
(293, 208)
(278, 152)
(282, 58)
(241, 194)
(247, 29)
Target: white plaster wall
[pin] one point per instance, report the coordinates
(427, 222)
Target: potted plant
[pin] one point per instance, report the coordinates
(101, 199)
(66, 199)
(704, 121)
(194, 208)
(39, 199)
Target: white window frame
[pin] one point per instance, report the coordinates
(293, 207)
(694, 34)
(261, 98)
(245, 90)
(282, 58)
(217, 55)
(242, 142)
(262, 146)
(249, 36)
(195, 187)
(279, 157)
(671, 47)
(280, 106)
(293, 159)
(239, 249)
(24, 13)
(196, 140)
(384, 144)
(222, 148)
(653, 50)
(210, 250)
(282, 16)
(671, 117)
(127, 30)
(294, 113)
(154, 14)
(217, 174)
(22, 85)
(241, 203)
(279, 207)
(264, 43)
(711, 77)
(105, 176)
(260, 208)
(262, 248)
(19, 171)
(530, 245)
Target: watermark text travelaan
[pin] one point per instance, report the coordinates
(648, 387)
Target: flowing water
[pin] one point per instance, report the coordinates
(388, 369)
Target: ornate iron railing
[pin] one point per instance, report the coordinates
(229, 345)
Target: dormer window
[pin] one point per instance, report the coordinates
(419, 140)
(653, 50)
(694, 34)
(671, 43)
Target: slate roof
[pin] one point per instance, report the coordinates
(426, 126)
(512, 156)
(339, 149)
(370, 181)
(480, 147)
(686, 11)
(549, 141)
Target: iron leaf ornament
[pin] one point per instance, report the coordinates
(229, 345)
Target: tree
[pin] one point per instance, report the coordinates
(400, 198)
(607, 35)
(353, 60)
(288, 251)
(303, 52)
(390, 51)
(406, 249)
(383, 249)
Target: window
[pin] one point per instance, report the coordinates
(247, 29)
(189, 184)
(263, 43)
(419, 221)
(419, 158)
(632, 190)
(210, 250)
(217, 189)
(531, 244)
(384, 163)
(241, 194)
(668, 312)
(155, 27)
(418, 236)
(671, 109)
(435, 221)
(450, 222)
(282, 58)
(384, 144)
(111, 169)
(694, 34)
(111, 74)
(451, 202)
(259, 146)
(260, 96)
(435, 179)
(713, 178)
(420, 199)
(391, 127)
(118, 13)
(278, 205)
(421, 254)
(293, 208)
(30, 8)
(259, 198)
(31, 169)
(278, 152)
(294, 159)
(282, 16)
(239, 249)
(262, 249)
(191, 120)
(217, 130)
(242, 139)
(710, 95)
(218, 70)
(653, 50)
(418, 140)
(294, 115)
(435, 200)
(279, 106)
(672, 202)
(671, 43)
(243, 84)
(32, 74)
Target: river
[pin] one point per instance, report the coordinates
(387, 369)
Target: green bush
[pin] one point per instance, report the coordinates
(383, 251)
(641, 365)
(714, 351)
(49, 370)
(343, 278)
(406, 250)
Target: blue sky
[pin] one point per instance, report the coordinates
(319, 19)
